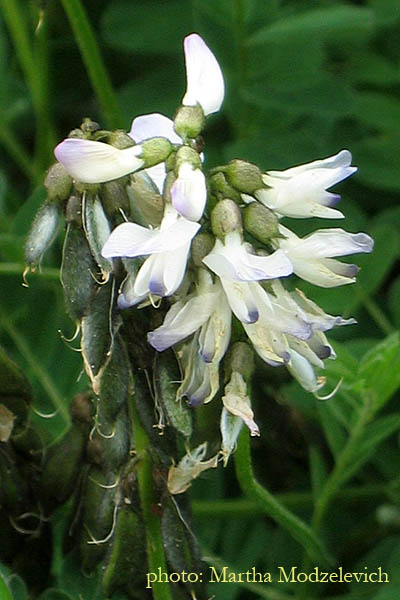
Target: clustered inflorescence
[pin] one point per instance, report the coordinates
(213, 245)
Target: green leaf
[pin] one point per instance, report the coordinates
(379, 111)
(137, 27)
(380, 370)
(5, 593)
(386, 12)
(336, 23)
(378, 159)
(54, 594)
(318, 470)
(18, 588)
(394, 295)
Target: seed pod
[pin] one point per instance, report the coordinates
(115, 386)
(110, 444)
(77, 273)
(97, 333)
(97, 229)
(42, 233)
(99, 510)
(114, 196)
(146, 204)
(62, 465)
(126, 561)
(166, 375)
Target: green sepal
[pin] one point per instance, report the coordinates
(166, 374)
(78, 270)
(126, 561)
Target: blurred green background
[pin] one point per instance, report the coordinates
(304, 79)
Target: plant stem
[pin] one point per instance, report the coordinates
(17, 152)
(374, 310)
(152, 522)
(93, 61)
(270, 504)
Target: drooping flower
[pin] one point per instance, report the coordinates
(189, 192)
(168, 247)
(302, 191)
(312, 256)
(96, 162)
(205, 82)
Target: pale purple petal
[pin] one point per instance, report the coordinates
(189, 192)
(153, 125)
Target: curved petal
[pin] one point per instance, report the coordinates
(326, 243)
(96, 162)
(189, 192)
(205, 82)
(145, 127)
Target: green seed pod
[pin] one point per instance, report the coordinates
(62, 465)
(97, 333)
(221, 188)
(99, 511)
(78, 270)
(73, 210)
(189, 121)
(240, 358)
(42, 233)
(177, 413)
(97, 229)
(110, 444)
(115, 386)
(202, 245)
(261, 222)
(146, 204)
(126, 561)
(58, 183)
(244, 176)
(225, 218)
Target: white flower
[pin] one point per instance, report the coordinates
(311, 256)
(237, 402)
(205, 82)
(152, 125)
(231, 260)
(96, 162)
(201, 379)
(301, 191)
(162, 273)
(189, 192)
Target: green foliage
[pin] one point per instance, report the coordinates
(304, 80)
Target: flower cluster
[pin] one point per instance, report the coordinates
(215, 246)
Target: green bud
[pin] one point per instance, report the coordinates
(155, 151)
(221, 188)
(186, 154)
(120, 139)
(89, 126)
(202, 245)
(261, 222)
(42, 233)
(73, 210)
(225, 218)
(189, 121)
(58, 183)
(146, 204)
(114, 196)
(240, 358)
(244, 176)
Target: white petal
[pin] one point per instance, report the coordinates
(341, 159)
(302, 370)
(189, 192)
(125, 238)
(326, 243)
(241, 300)
(205, 83)
(96, 162)
(153, 125)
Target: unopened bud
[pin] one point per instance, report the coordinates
(244, 176)
(202, 245)
(240, 358)
(120, 139)
(188, 155)
(155, 151)
(189, 121)
(146, 204)
(42, 233)
(221, 188)
(261, 222)
(58, 183)
(225, 218)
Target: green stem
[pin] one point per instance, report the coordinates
(271, 506)
(17, 152)
(374, 310)
(30, 357)
(93, 61)
(242, 507)
(15, 19)
(155, 551)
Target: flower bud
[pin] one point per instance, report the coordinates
(244, 176)
(225, 218)
(221, 188)
(240, 358)
(202, 245)
(146, 204)
(186, 154)
(58, 183)
(120, 139)
(155, 151)
(189, 121)
(42, 233)
(261, 222)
